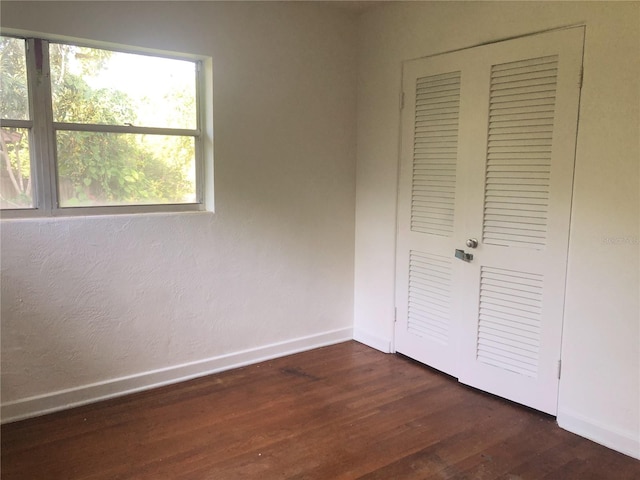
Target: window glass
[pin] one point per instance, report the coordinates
(109, 128)
(15, 161)
(15, 171)
(97, 86)
(100, 169)
(14, 92)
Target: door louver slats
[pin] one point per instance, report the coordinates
(509, 320)
(521, 115)
(435, 154)
(429, 296)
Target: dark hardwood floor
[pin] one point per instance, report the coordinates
(339, 412)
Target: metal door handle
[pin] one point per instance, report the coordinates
(472, 242)
(464, 256)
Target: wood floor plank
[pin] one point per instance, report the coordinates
(341, 412)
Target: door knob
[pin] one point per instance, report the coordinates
(472, 243)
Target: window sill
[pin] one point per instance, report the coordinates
(34, 215)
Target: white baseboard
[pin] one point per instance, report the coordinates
(74, 397)
(373, 341)
(617, 439)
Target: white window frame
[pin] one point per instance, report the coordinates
(43, 130)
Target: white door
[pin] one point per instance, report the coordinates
(488, 140)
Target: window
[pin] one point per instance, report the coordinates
(90, 130)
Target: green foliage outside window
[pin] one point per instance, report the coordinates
(96, 167)
(15, 168)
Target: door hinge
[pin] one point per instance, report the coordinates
(402, 101)
(395, 314)
(581, 78)
(559, 368)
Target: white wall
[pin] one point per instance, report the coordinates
(600, 385)
(97, 306)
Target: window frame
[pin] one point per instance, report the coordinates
(42, 133)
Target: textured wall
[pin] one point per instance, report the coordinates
(600, 386)
(90, 299)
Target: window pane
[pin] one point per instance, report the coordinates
(103, 87)
(15, 172)
(14, 93)
(99, 169)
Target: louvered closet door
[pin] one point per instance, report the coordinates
(428, 214)
(514, 155)
(512, 324)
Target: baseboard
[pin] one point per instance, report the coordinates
(373, 341)
(74, 397)
(622, 441)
